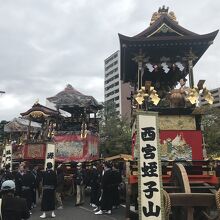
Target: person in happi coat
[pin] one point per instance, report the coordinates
(18, 180)
(6, 174)
(106, 199)
(37, 178)
(27, 184)
(117, 179)
(49, 183)
(95, 186)
(80, 185)
(59, 188)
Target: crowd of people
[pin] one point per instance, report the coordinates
(21, 189)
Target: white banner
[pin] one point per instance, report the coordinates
(8, 155)
(50, 154)
(3, 159)
(150, 187)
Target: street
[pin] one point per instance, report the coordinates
(71, 212)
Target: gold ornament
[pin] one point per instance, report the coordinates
(38, 114)
(207, 96)
(142, 94)
(193, 94)
(84, 130)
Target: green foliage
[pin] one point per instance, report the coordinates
(211, 125)
(115, 132)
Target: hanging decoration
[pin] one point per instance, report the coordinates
(150, 67)
(166, 66)
(207, 96)
(180, 66)
(84, 131)
(143, 94)
(194, 93)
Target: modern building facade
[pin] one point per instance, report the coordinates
(116, 92)
(216, 95)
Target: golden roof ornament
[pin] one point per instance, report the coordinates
(207, 96)
(193, 93)
(37, 114)
(144, 92)
(37, 101)
(140, 97)
(161, 11)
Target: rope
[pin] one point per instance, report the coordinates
(217, 199)
(167, 204)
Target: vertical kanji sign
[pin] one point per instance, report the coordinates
(3, 159)
(8, 155)
(50, 154)
(150, 181)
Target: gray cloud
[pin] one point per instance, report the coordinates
(46, 44)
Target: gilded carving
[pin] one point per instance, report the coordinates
(176, 122)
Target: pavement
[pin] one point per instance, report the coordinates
(72, 212)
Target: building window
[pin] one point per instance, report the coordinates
(111, 72)
(117, 91)
(116, 98)
(111, 79)
(214, 91)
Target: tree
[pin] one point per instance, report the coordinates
(211, 127)
(115, 132)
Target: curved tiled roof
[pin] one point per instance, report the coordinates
(70, 98)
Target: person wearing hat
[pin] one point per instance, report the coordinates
(12, 208)
(49, 183)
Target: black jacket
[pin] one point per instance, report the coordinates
(14, 209)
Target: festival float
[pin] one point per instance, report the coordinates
(169, 177)
(65, 132)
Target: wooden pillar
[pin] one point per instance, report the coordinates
(191, 78)
(140, 73)
(191, 58)
(140, 60)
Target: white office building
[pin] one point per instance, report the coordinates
(115, 90)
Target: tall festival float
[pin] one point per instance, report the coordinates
(169, 177)
(65, 132)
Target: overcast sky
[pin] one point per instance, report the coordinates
(46, 44)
